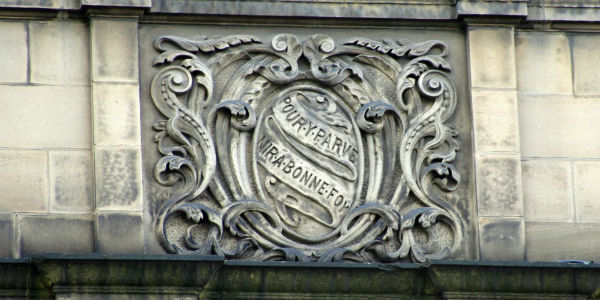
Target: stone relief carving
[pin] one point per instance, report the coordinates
(306, 149)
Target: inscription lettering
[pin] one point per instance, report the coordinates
(301, 175)
(313, 131)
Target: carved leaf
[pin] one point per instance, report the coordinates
(206, 45)
(356, 90)
(380, 64)
(402, 49)
(170, 56)
(256, 87)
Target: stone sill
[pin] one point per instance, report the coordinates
(212, 277)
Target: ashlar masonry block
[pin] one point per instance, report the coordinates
(547, 190)
(561, 241)
(6, 234)
(56, 234)
(499, 185)
(559, 126)
(586, 63)
(71, 181)
(543, 63)
(13, 46)
(116, 114)
(59, 53)
(45, 117)
(114, 50)
(118, 178)
(495, 119)
(492, 57)
(23, 181)
(119, 233)
(502, 239)
(587, 177)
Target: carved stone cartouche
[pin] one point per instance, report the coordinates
(306, 150)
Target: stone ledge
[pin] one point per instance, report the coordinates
(212, 277)
(501, 11)
(516, 8)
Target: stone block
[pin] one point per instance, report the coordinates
(499, 185)
(118, 178)
(114, 50)
(116, 114)
(492, 57)
(547, 190)
(56, 234)
(45, 116)
(117, 296)
(587, 196)
(562, 241)
(59, 53)
(6, 235)
(44, 4)
(71, 181)
(119, 233)
(491, 8)
(23, 181)
(13, 46)
(495, 121)
(501, 239)
(121, 3)
(586, 63)
(559, 126)
(543, 63)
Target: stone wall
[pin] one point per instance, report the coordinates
(558, 105)
(71, 178)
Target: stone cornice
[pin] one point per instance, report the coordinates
(211, 277)
(429, 10)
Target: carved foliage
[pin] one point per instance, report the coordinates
(306, 150)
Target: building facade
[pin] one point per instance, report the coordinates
(448, 148)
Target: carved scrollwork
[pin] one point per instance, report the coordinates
(306, 150)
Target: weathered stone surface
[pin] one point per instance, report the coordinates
(491, 8)
(59, 53)
(118, 178)
(492, 57)
(124, 296)
(117, 3)
(114, 50)
(119, 233)
(586, 63)
(499, 185)
(13, 46)
(31, 3)
(543, 63)
(116, 114)
(357, 11)
(45, 116)
(23, 181)
(495, 119)
(576, 12)
(71, 181)
(547, 190)
(562, 241)
(502, 239)
(6, 235)
(587, 194)
(559, 126)
(311, 156)
(56, 234)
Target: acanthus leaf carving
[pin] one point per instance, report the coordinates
(310, 151)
